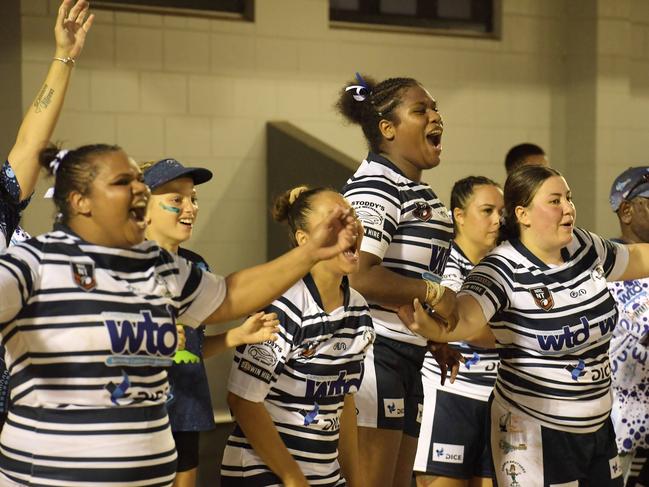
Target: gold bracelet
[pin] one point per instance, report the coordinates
(68, 61)
(434, 293)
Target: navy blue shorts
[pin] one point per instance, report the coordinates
(454, 441)
(391, 396)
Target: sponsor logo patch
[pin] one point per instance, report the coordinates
(423, 211)
(393, 408)
(448, 453)
(262, 354)
(514, 471)
(420, 412)
(255, 371)
(615, 467)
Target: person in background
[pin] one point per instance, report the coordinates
(171, 215)
(524, 155)
(629, 352)
(453, 448)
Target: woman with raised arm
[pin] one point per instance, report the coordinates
(407, 241)
(20, 172)
(89, 316)
(544, 294)
(453, 448)
(293, 400)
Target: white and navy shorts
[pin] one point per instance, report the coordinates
(454, 438)
(526, 454)
(391, 396)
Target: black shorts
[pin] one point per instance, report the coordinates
(454, 438)
(391, 396)
(187, 448)
(527, 454)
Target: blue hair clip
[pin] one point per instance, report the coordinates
(361, 81)
(361, 89)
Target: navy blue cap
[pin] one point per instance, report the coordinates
(169, 169)
(630, 184)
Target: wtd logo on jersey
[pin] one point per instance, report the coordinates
(448, 453)
(139, 334)
(318, 388)
(571, 339)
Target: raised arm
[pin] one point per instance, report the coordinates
(256, 287)
(72, 25)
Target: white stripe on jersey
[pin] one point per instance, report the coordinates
(406, 225)
(477, 375)
(302, 379)
(81, 308)
(552, 327)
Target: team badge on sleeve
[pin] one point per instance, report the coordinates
(423, 211)
(543, 298)
(83, 274)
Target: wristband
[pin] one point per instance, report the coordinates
(434, 293)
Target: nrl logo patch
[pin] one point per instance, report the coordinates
(543, 298)
(84, 275)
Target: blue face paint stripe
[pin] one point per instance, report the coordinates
(172, 209)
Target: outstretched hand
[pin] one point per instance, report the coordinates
(337, 233)
(72, 25)
(258, 328)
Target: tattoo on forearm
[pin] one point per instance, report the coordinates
(43, 99)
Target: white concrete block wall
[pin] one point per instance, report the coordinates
(202, 90)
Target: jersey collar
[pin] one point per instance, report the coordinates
(315, 294)
(518, 245)
(379, 159)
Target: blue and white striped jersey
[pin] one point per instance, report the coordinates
(552, 326)
(406, 225)
(477, 375)
(302, 379)
(88, 331)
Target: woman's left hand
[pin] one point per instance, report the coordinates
(72, 25)
(258, 328)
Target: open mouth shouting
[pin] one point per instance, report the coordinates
(137, 213)
(352, 254)
(434, 138)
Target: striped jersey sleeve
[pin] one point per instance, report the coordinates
(477, 374)
(552, 326)
(406, 225)
(302, 379)
(86, 350)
